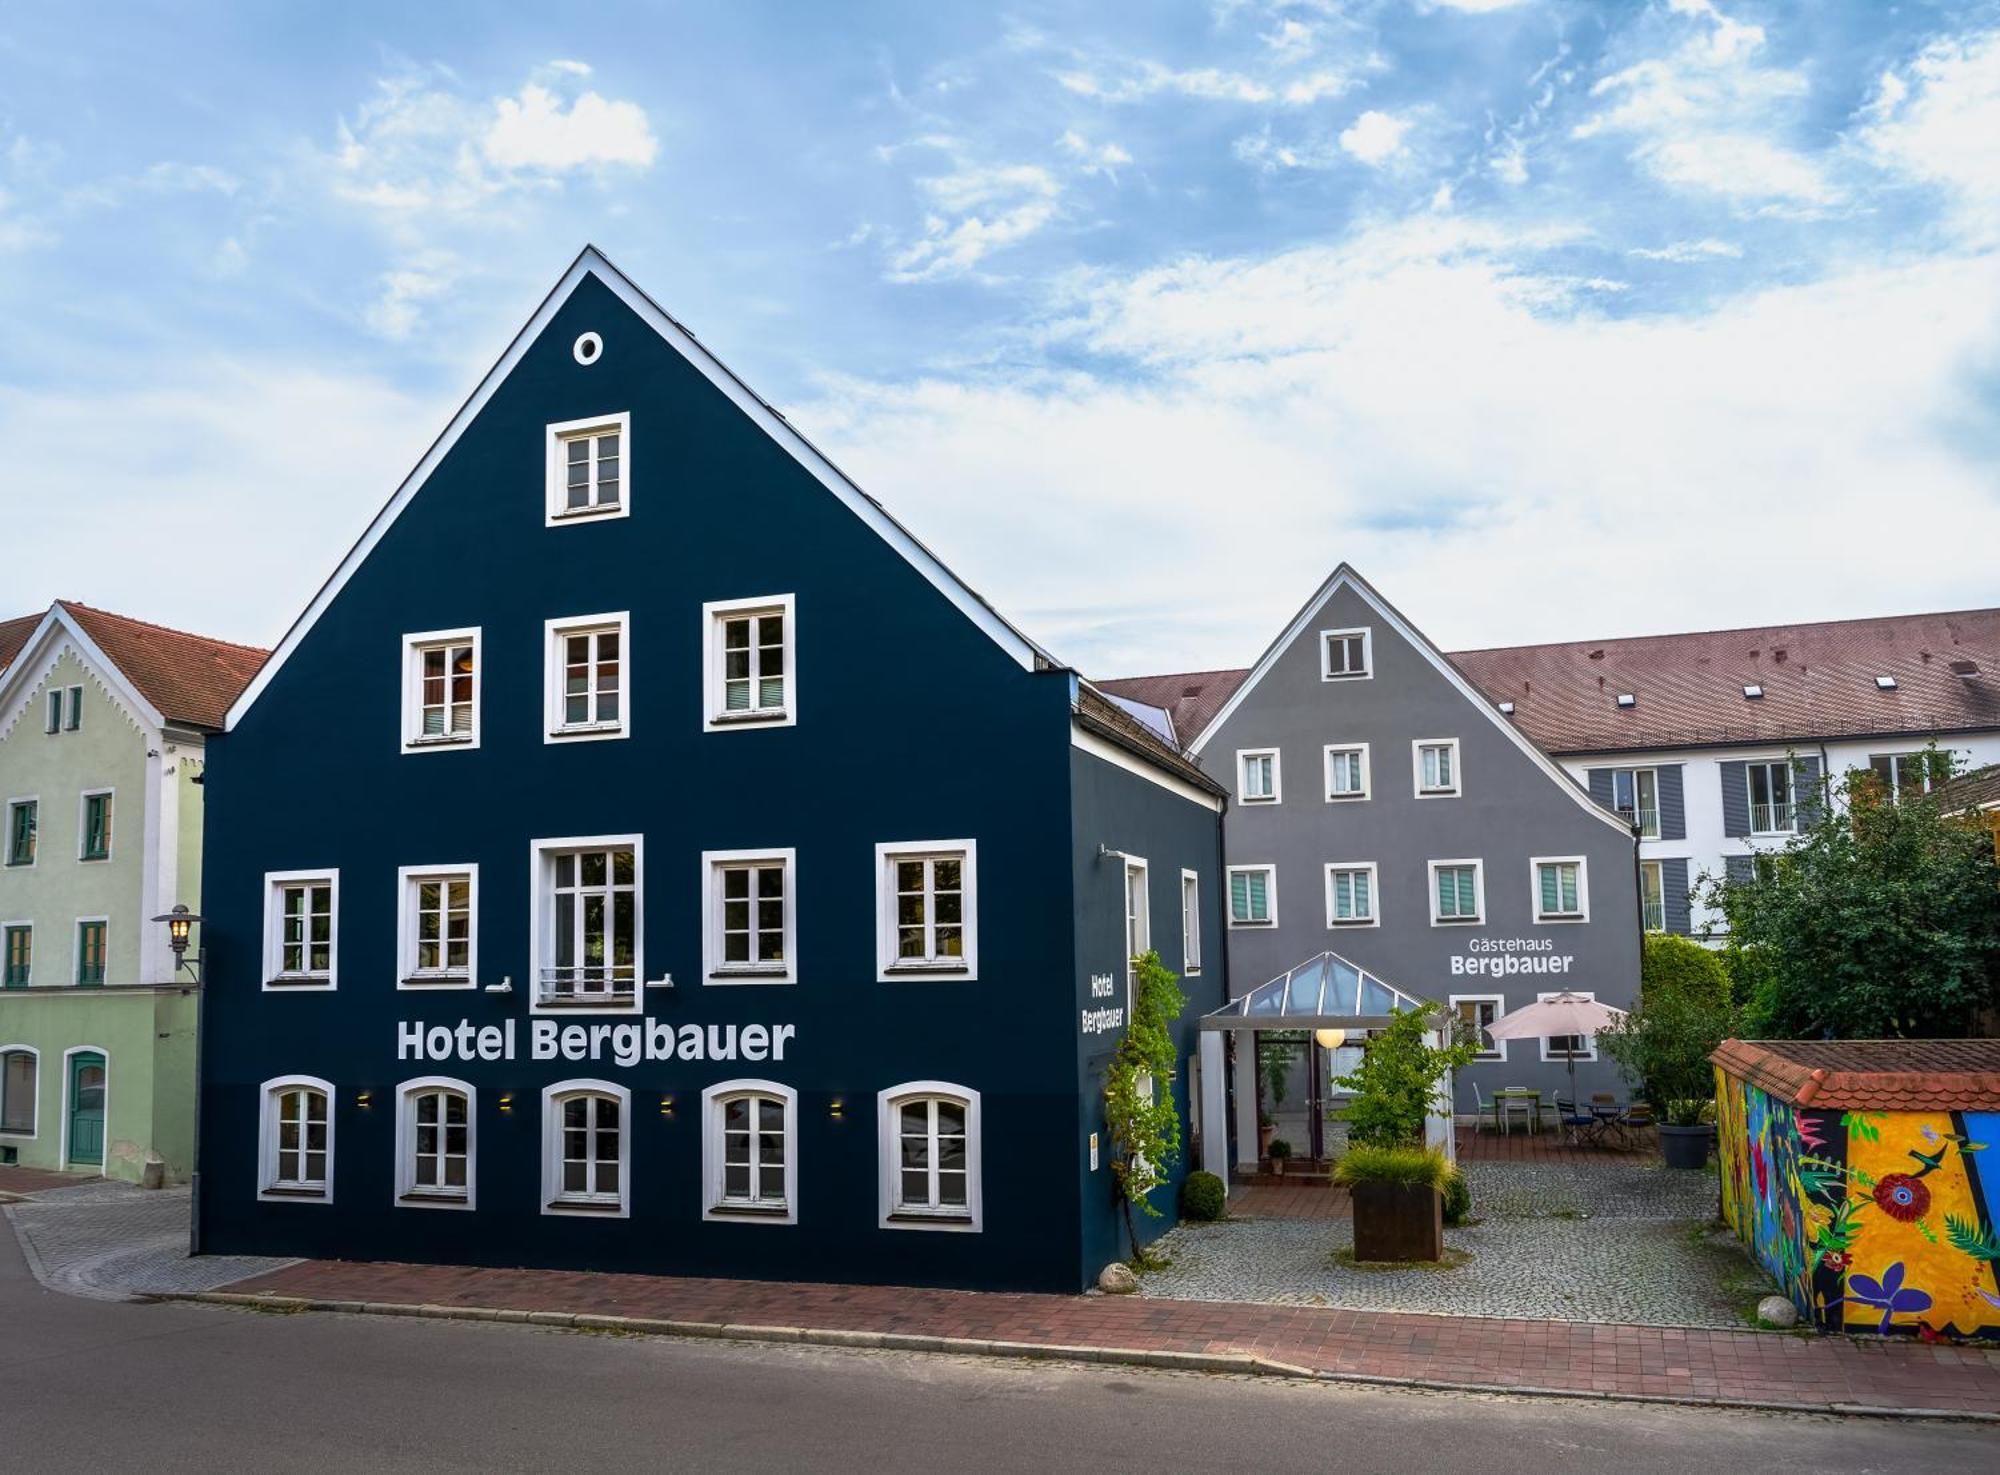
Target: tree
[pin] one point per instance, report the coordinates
(1880, 919)
(1396, 1084)
(1139, 1112)
(1663, 1043)
(1679, 965)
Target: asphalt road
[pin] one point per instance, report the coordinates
(167, 1387)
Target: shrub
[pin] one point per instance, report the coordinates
(1396, 1086)
(1404, 1167)
(1279, 1148)
(1678, 965)
(1203, 1197)
(1457, 1198)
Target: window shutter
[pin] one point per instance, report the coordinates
(1674, 894)
(1738, 868)
(1806, 790)
(1600, 785)
(1735, 798)
(1673, 803)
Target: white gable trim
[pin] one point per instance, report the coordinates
(1346, 578)
(592, 263)
(38, 656)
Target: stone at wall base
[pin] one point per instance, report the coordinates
(1117, 1279)
(154, 1173)
(1778, 1311)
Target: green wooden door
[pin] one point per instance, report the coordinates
(86, 1109)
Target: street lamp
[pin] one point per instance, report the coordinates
(1330, 1039)
(180, 924)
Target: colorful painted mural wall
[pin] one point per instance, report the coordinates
(1871, 1221)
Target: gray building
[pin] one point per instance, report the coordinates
(1383, 808)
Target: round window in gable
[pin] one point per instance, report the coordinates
(589, 348)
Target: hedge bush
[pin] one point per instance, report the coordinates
(1675, 965)
(1203, 1197)
(1457, 1198)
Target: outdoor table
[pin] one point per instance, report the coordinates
(1518, 1093)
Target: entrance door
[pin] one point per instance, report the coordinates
(86, 1109)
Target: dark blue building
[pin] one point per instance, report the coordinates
(643, 854)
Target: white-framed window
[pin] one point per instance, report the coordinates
(1478, 1012)
(1258, 778)
(1772, 811)
(437, 1158)
(1346, 771)
(441, 690)
(1635, 795)
(1190, 923)
(1652, 896)
(437, 926)
(587, 1149)
(585, 928)
(749, 918)
(1434, 762)
(929, 1152)
(1253, 896)
(1903, 775)
(1561, 1048)
(301, 929)
(590, 469)
(927, 909)
(20, 1076)
(749, 662)
(749, 1152)
(589, 677)
(1345, 655)
(295, 1140)
(1458, 892)
(1351, 898)
(1561, 888)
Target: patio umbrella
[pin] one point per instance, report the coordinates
(1559, 1014)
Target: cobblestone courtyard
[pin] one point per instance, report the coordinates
(1612, 1241)
(111, 1240)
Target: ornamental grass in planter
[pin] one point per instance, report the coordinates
(1398, 1197)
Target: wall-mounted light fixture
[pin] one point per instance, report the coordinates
(1330, 1039)
(364, 1098)
(506, 1100)
(836, 1108)
(180, 927)
(666, 1105)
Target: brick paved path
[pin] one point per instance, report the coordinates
(34, 1180)
(1500, 1354)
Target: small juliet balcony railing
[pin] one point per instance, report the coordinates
(1771, 819)
(587, 986)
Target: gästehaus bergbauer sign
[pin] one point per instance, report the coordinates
(1499, 957)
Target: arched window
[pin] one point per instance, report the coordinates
(435, 1127)
(929, 1154)
(586, 1149)
(296, 1140)
(20, 1074)
(749, 1152)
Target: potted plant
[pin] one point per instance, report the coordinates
(1266, 1130)
(1279, 1151)
(1398, 1197)
(1663, 1045)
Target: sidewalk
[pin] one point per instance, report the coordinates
(1832, 1374)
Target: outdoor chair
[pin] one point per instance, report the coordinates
(1480, 1108)
(1631, 1122)
(1512, 1105)
(1578, 1125)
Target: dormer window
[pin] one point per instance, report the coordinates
(589, 468)
(1627, 699)
(1885, 683)
(1345, 655)
(1752, 692)
(1506, 709)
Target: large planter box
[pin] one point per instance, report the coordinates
(1396, 1222)
(1685, 1147)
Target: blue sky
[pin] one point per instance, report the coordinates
(1557, 318)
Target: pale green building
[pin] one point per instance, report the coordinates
(103, 720)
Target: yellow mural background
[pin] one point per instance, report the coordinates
(1933, 1267)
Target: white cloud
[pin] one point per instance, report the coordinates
(978, 209)
(1937, 123)
(1375, 137)
(1291, 40)
(533, 131)
(1509, 163)
(1093, 158)
(1687, 251)
(1476, 7)
(1707, 116)
(1143, 80)
(421, 145)
(394, 314)
(1426, 401)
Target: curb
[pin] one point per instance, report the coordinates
(1200, 1362)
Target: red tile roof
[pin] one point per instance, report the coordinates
(191, 679)
(14, 634)
(1818, 681)
(1979, 789)
(1191, 698)
(1870, 1075)
(1095, 712)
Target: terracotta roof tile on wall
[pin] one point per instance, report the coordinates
(1870, 1075)
(1191, 698)
(1818, 681)
(191, 679)
(1113, 723)
(14, 634)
